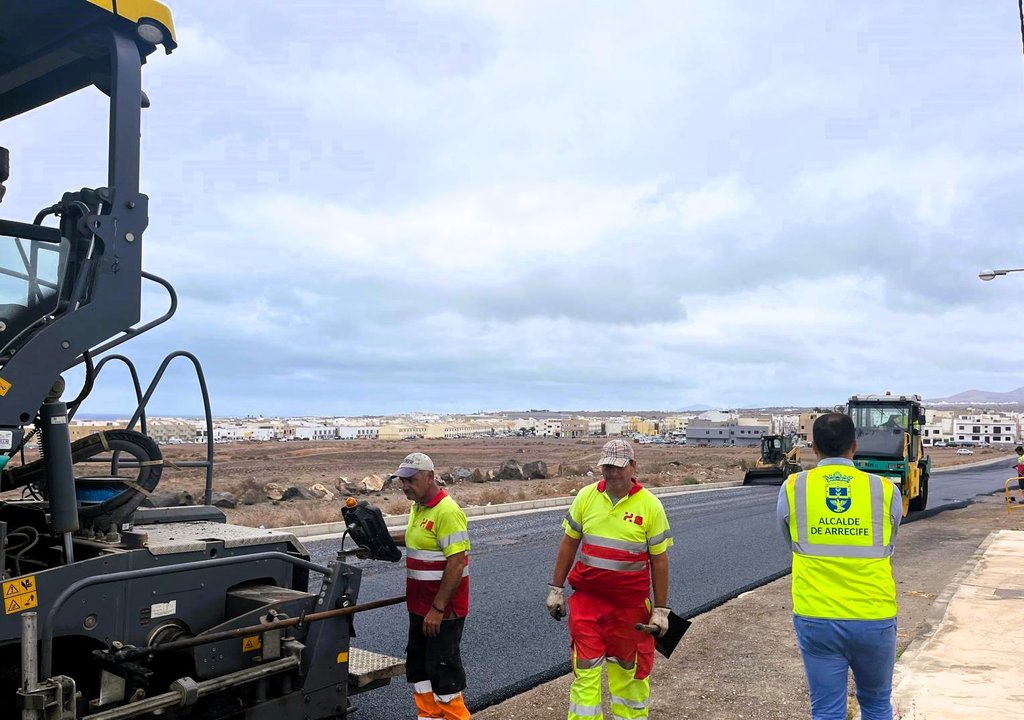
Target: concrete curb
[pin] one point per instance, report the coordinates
(968, 466)
(479, 512)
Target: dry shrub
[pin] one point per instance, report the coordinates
(494, 496)
(568, 487)
(392, 505)
(284, 515)
(657, 480)
(238, 488)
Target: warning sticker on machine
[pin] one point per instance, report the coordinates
(251, 643)
(4, 387)
(163, 609)
(6, 439)
(20, 594)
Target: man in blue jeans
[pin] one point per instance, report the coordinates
(841, 525)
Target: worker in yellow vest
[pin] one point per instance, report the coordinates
(623, 536)
(841, 525)
(437, 591)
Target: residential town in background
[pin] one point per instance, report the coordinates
(712, 428)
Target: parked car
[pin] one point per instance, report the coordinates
(964, 451)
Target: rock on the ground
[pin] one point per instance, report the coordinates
(370, 484)
(319, 492)
(477, 476)
(273, 491)
(169, 498)
(492, 476)
(341, 484)
(510, 470)
(294, 492)
(224, 499)
(461, 474)
(536, 470)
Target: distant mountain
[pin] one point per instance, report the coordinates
(983, 397)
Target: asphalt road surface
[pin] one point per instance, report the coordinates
(727, 542)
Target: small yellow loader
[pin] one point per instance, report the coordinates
(780, 458)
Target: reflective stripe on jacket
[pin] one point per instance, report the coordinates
(436, 531)
(841, 534)
(617, 541)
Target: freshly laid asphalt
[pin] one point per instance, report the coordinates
(727, 542)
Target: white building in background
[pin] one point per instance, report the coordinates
(357, 432)
(613, 427)
(226, 433)
(260, 433)
(785, 424)
(549, 428)
(938, 428)
(986, 429)
(316, 432)
(717, 429)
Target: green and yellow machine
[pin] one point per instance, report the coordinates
(889, 443)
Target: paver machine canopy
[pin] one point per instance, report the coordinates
(71, 291)
(112, 611)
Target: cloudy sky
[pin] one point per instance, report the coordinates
(462, 205)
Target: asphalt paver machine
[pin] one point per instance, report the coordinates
(112, 610)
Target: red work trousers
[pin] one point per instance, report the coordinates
(602, 628)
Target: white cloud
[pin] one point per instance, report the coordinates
(719, 200)
(933, 186)
(571, 204)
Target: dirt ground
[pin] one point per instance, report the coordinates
(243, 466)
(740, 661)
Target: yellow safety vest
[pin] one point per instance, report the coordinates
(617, 541)
(842, 540)
(436, 531)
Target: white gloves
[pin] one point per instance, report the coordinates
(556, 603)
(659, 619)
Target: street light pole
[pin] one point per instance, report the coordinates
(992, 274)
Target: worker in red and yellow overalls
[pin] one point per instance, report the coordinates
(437, 591)
(622, 534)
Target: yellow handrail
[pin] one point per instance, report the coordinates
(1012, 503)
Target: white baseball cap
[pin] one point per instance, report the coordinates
(413, 463)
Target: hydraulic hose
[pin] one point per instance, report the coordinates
(114, 510)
